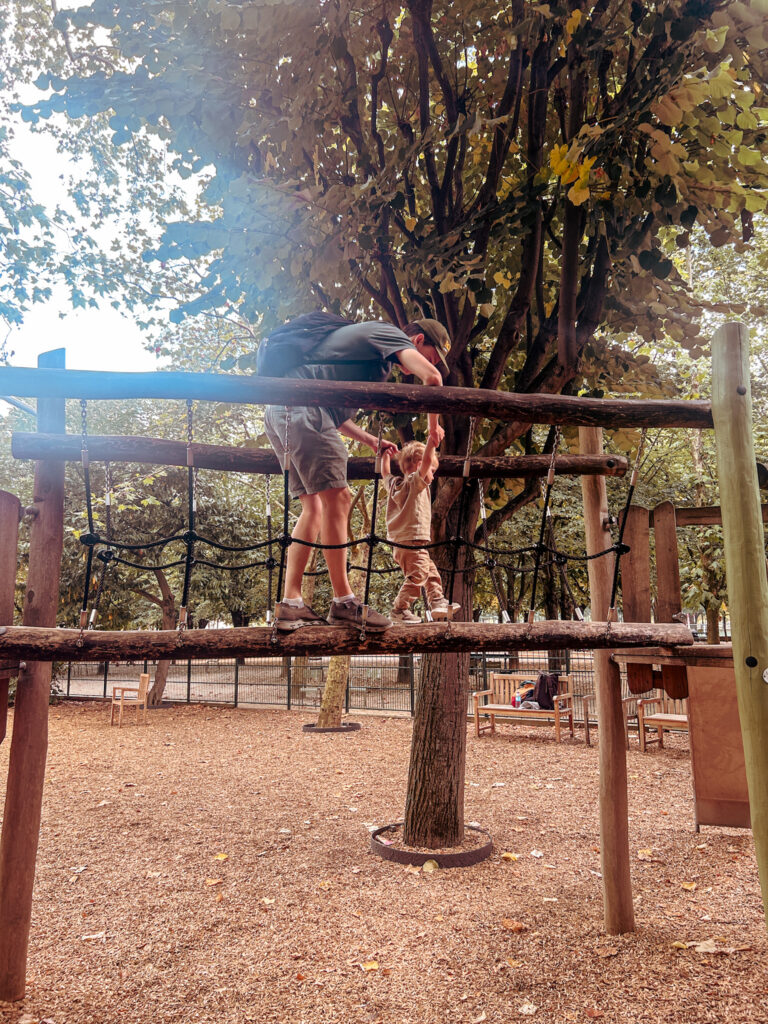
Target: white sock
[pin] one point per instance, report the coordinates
(342, 600)
(294, 602)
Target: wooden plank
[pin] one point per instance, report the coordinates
(618, 911)
(244, 641)
(744, 560)
(668, 596)
(10, 510)
(717, 751)
(636, 587)
(704, 515)
(412, 398)
(159, 451)
(29, 742)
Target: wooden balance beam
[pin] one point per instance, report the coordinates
(506, 406)
(41, 644)
(160, 452)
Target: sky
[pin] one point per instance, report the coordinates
(95, 339)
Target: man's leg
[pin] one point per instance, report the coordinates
(307, 528)
(336, 504)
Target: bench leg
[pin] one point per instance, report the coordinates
(557, 723)
(493, 724)
(661, 736)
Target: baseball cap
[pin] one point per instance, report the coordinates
(437, 337)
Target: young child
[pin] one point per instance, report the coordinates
(409, 521)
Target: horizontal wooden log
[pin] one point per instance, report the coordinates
(160, 452)
(613, 413)
(704, 515)
(256, 641)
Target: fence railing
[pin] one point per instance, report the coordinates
(376, 682)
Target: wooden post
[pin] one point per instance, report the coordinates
(636, 588)
(669, 600)
(29, 744)
(10, 508)
(618, 912)
(744, 562)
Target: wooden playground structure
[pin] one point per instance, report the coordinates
(28, 650)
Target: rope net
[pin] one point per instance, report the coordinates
(520, 561)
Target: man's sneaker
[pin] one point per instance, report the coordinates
(288, 618)
(444, 609)
(350, 613)
(404, 615)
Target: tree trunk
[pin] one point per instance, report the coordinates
(336, 681)
(434, 807)
(713, 624)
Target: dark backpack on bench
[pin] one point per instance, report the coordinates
(291, 344)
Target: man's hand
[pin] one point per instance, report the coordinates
(386, 448)
(436, 434)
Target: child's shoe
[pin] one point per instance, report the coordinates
(404, 615)
(444, 609)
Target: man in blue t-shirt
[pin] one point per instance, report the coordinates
(318, 456)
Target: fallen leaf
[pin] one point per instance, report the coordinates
(96, 937)
(689, 886)
(370, 965)
(549, 899)
(497, 785)
(221, 856)
(324, 885)
(430, 865)
(153, 874)
(593, 1012)
(214, 881)
(708, 946)
(386, 971)
(527, 1009)
(515, 963)
(267, 901)
(679, 945)
(510, 856)
(219, 897)
(103, 803)
(645, 854)
(537, 853)
(510, 925)
(607, 951)
(412, 869)
(478, 1020)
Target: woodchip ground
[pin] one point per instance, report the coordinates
(214, 867)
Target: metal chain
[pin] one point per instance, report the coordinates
(545, 515)
(286, 497)
(105, 556)
(85, 461)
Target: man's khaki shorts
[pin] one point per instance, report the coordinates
(317, 453)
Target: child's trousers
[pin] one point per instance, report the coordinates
(420, 571)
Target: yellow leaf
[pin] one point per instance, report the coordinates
(573, 22)
(679, 945)
(645, 855)
(515, 963)
(221, 856)
(429, 866)
(219, 897)
(689, 886)
(370, 965)
(214, 881)
(578, 195)
(510, 856)
(410, 222)
(324, 885)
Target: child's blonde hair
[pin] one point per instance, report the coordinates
(411, 454)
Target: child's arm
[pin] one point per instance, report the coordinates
(427, 457)
(386, 469)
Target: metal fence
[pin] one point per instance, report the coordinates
(376, 682)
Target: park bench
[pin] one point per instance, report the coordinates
(672, 716)
(500, 703)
